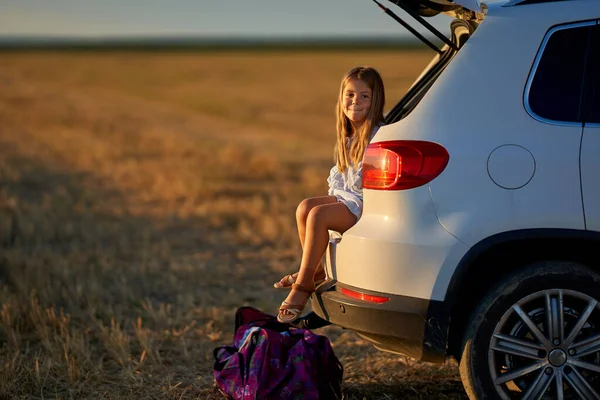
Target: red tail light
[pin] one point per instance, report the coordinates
(364, 296)
(402, 164)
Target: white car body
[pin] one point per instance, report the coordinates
(513, 181)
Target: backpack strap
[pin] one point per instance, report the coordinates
(222, 352)
(222, 355)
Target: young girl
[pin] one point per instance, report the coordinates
(359, 115)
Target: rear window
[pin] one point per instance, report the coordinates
(557, 83)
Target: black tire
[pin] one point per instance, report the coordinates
(498, 341)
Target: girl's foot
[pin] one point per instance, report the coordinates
(294, 304)
(287, 281)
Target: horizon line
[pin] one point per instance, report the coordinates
(15, 42)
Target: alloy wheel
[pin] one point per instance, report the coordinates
(547, 346)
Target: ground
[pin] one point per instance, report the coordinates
(144, 196)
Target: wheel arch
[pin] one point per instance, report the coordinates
(495, 257)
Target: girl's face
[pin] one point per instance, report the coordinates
(356, 101)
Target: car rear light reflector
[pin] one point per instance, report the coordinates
(402, 164)
(364, 296)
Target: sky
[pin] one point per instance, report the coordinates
(206, 18)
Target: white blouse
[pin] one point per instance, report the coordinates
(347, 186)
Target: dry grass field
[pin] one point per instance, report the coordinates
(145, 196)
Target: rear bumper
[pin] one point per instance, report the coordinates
(414, 327)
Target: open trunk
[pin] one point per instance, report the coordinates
(467, 14)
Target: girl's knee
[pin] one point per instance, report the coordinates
(304, 208)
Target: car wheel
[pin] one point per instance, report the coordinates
(536, 335)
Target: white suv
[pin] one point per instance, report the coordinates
(480, 237)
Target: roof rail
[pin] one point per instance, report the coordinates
(524, 2)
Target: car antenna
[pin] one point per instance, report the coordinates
(414, 31)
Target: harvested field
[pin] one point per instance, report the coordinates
(145, 196)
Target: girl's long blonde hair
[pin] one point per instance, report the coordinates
(342, 156)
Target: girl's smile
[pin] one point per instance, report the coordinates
(357, 101)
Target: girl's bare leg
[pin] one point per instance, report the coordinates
(335, 216)
(304, 209)
(302, 212)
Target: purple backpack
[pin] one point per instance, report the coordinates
(270, 360)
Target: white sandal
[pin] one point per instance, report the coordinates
(293, 310)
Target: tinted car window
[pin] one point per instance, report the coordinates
(556, 88)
